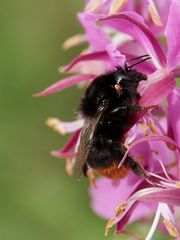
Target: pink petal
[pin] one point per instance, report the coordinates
(126, 23)
(174, 116)
(115, 57)
(66, 151)
(95, 35)
(131, 49)
(72, 142)
(65, 83)
(148, 195)
(106, 197)
(61, 154)
(138, 211)
(94, 56)
(173, 35)
(174, 113)
(165, 139)
(169, 196)
(65, 127)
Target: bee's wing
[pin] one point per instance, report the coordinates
(87, 134)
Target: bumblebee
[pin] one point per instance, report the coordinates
(107, 108)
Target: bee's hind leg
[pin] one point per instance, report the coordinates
(139, 171)
(88, 172)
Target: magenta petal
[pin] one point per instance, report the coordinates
(72, 142)
(165, 139)
(149, 94)
(61, 154)
(169, 196)
(116, 58)
(157, 88)
(106, 197)
(94, 56)
(139, 31)
(95, 35)
(69, 127)
(174, 116)
(66, 151)
(65, 83)
(173, 35)
(174, 113)
(138, 211)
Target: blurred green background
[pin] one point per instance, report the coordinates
(38, 200)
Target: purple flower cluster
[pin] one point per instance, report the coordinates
(116, 30)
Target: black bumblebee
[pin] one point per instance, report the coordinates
(107, 108)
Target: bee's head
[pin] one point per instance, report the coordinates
(127, 79)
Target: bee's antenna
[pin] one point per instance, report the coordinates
(143, 60)
(145, 56)
(134, 58)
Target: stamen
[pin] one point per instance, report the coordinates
(144, 128)
(117, 5)
(154, 14)
(148, 138)
(160, 177)
(54, 123)
(162, 166)
(171, 228)
(69, 166)
(74, 41)
(92, 5)
(120, 209)
(171, 165)
(64, 127)
(152, 126)
(171, 147)
(154, 224)
(168, 184)
(109, 225)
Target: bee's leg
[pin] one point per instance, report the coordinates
(88, 172)
(85, 169)
(139, 171)
(137, 108)
(122, 110)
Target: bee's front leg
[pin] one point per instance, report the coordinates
(137, 108)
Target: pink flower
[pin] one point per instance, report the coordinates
(136, 197)
(115, 31)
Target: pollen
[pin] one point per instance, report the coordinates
(120, 209)
(144, 127)
(171, 147)
(93, 5)
(55, 124)
(154, 13)
(117, 5)
(152, 127)
(69, 167)
(171, 228)
(74, 41)
(109, 225)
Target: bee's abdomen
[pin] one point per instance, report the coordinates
(105, 155)
(112, 171)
